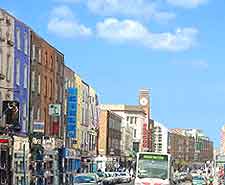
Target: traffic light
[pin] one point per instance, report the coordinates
(11, 112)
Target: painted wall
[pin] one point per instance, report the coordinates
(21, 89)
(6, 51)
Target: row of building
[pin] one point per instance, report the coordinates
(48, 113)
(52, 125)
(133, 128)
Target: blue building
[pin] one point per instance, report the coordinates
(21, 72)
(21, 94)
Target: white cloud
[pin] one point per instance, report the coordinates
(113, 30)
(63, 23)
(199, 64)
(62, 12)
(137, 8)
(187, 3)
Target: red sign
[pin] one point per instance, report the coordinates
(4, 140)
(145, 135)
(55, 128)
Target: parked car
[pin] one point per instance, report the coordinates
(109, 179)
(101, 176)
(125, 177)
(198, 180)
(87, 179)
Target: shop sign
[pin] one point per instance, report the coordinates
(36, 141)
(38, 127)
(71, 113)
(49, 144)
(54, 110)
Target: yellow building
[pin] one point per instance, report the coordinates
(78, 85)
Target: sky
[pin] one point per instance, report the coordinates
(175, 48)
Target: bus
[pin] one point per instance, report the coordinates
(154, 169)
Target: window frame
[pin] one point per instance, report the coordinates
(18, 38)
(25, 76)
(17, 71)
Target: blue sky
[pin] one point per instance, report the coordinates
(173, 47)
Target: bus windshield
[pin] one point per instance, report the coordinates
(153, 167)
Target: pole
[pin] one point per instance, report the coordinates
(24, 165)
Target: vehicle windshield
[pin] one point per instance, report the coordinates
(85, 179)
(153, 169)
(198, 178)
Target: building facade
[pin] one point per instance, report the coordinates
(7, 42)
(109, 140)
(46, 92)
(21, 72)
(160, 138)
(21, 95)
(190, 145)
(70, 154)
(182, 148)
(222, 140)
(132, 129)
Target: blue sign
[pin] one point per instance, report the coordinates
(71, 113)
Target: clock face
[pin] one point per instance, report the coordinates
(143, 101)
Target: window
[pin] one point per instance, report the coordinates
(26, 43)
(8, 69)
(18, 46)
(33, 81)
(46, 85)
(18, 72)
(1, 36)
(127, 118)
(135, 133)
(38, 114)
(131, 120)
(1, 62)
(32, 115)
(51, 63)
(33, 52)
(24, 110)
(39, 84)
(25, 76)
(46, 57)
(135, 120)
(51, 88)
(39, 55)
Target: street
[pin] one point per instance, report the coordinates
(184, 183)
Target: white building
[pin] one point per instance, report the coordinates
(160, 138)
(132, 126)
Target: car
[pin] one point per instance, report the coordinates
(125, 177)
(87, 179)
(101, 175)
(109, 179)
(198, 180)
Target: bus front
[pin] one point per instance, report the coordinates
(152, 169)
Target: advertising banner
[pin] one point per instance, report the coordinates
(71, 113)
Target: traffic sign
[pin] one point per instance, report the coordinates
(55, 110)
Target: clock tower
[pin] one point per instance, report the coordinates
(144, 102)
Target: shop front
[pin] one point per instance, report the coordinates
(20, 160)
(6, 160)
(72, 164)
